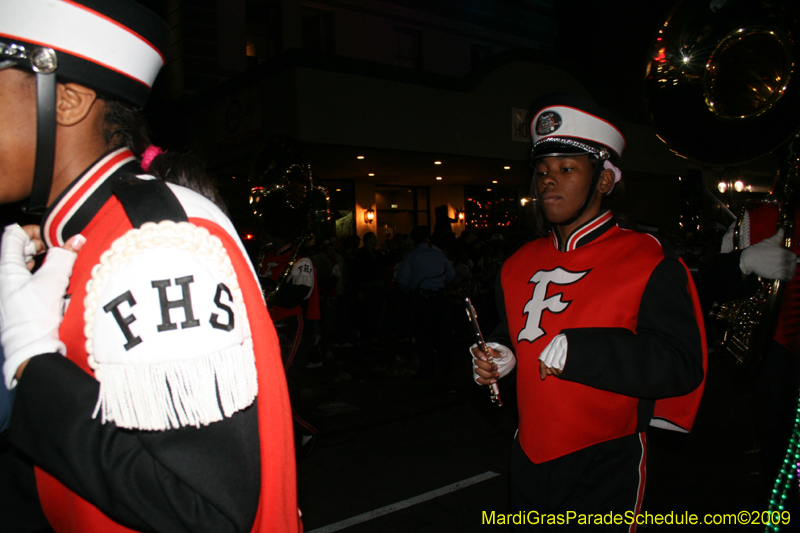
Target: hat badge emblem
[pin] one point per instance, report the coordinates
(548, 122)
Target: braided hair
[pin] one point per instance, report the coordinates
(126, 126)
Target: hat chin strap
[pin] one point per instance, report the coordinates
(598, 169)
(45, 142)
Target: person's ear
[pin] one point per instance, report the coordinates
(606, 181)
(73, 103)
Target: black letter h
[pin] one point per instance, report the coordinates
(166, 305)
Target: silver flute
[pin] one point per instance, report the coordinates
(494, 390)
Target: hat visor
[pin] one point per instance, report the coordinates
(546, 148)
(8, 63)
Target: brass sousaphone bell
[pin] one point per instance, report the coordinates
(722, 89)
(286, 203)
(720, 81)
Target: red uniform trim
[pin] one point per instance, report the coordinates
(682, 410)
(574, 239)
(78, 193)
(277, 510)
(277, 507)
(642, 480)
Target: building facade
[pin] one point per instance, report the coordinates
(401, 106)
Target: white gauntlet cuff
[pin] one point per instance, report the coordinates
(505, 361)
(555, 354)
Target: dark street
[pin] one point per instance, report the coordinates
(398, 454)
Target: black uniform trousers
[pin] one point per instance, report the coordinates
(605, 478)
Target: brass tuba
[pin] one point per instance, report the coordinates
(751, 321)
(288, 206)
(722, 90)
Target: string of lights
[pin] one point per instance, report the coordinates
(483, 214)
(790, 471)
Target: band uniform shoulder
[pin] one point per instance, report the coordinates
(650, 241)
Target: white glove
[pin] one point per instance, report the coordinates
(769, 259)
(554, 354)
(30, 304)
(505, 361)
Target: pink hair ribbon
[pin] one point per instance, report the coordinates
(151, 153)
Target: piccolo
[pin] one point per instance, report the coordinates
(494, 390)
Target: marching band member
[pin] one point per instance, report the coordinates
(602, 323)
(150, 393)
(757, 251)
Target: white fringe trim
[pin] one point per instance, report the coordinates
(171, 394)
(174, 394)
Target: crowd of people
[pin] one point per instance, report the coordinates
(368, 291)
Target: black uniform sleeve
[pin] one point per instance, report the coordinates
(181, 480)
(663, 358)
(6, 402)
(721, 279)
(290, 295)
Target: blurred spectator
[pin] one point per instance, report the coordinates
(463, 267)
(492, 260)
(424, 275)
(443, 226)
(346, 335)
(370, 288)
(332, 281)
(463, 286)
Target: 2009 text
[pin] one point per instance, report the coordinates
(643, 519)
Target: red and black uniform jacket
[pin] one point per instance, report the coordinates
(636, 346)
(235, 475)
(723, 280)
(763, 223)
(293, 298)
(296, 301)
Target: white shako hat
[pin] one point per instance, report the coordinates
(569, 125)
(115, 47)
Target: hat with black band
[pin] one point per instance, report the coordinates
(115, 47)
(570, 125)
(567, 125)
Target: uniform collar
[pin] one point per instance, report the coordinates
(585, 233)
(82, 199)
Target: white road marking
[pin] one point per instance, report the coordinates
(336, 526)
